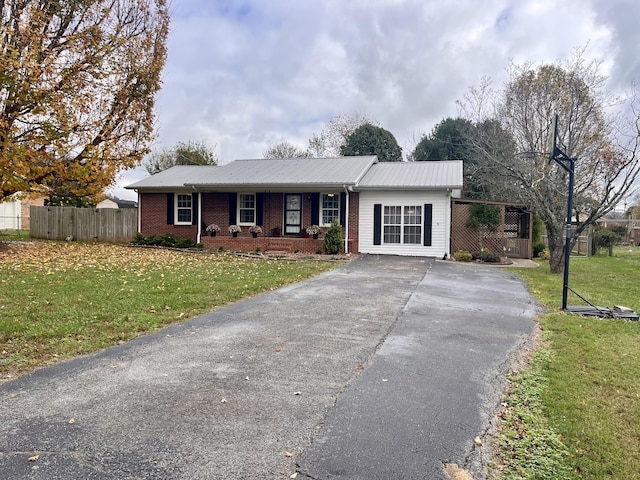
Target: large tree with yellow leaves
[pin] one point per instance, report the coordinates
(77, 86)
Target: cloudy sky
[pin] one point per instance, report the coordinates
(242, 75)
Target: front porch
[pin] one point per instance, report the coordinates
(262, 243)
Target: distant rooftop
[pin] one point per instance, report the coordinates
(174, 177)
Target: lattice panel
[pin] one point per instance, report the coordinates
(512, 238)
(472, 240)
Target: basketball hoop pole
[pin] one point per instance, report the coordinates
(567, 244)
(568, 165)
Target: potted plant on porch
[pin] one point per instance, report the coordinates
(276, 231)
(255, 230)
(235, 230)
(212, 229)
(314, 230)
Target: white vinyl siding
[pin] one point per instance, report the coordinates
(440, 225)
(10, 215)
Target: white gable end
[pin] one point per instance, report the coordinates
(440, 202)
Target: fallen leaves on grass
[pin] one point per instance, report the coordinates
(53, 258)
(60, 299)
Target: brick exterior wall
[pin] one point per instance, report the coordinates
(25, 208)
(152, 209)
(354, 217)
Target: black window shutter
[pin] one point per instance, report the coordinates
(259, 207)
(170, 208)
(315, 208)
(377, 224)
(343, 208)
(233, 206)
(194, 209)
(428, 218)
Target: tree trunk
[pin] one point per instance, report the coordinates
(556, 260)
(556, 253)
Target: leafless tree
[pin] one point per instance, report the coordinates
(182, 153)
(329, 142)
(512, 141)
(284, 150)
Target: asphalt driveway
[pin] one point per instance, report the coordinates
(384, 368)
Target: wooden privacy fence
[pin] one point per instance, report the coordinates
(111, 225)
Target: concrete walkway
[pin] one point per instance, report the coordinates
(383, 368)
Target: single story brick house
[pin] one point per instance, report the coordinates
(394, 208)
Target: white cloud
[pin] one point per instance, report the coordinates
(244, 75)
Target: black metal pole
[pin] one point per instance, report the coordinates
(567, 245)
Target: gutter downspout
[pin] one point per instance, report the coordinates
(139, 212)
(199, 237)
(346, 219)
(449, 222)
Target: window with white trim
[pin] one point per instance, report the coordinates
(412, 225)
(392, 224)
(184, 209)
(402, 224)
(330, 208)
(246, 209)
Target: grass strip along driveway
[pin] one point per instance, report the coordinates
(59, 300)
(576, 412)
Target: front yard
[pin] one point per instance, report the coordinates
(576, 412)
(59, 300)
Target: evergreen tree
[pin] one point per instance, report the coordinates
(333, 241)
(371, 140)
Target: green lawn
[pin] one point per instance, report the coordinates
(58, 300)
(576, 412)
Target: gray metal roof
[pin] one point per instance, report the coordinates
(290, 171)
(174, 177)
(360, 172)
(433, 174)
